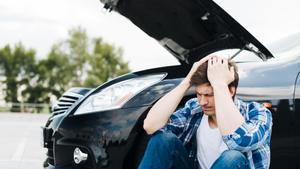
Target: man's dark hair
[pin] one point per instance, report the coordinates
(200, 76)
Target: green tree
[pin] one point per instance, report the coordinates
(86, 67)
(18, 67)
(77, 61)
(54, 76)
(105, 62)
(77, 50)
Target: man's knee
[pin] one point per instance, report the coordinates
(233, 155)
(231, 159)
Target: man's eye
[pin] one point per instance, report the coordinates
(205, 95)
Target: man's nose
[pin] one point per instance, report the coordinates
(203, 100)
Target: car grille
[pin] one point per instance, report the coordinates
(63, 104)
(68, 99)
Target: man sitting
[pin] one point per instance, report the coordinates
(214, 130)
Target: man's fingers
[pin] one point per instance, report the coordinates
(210, 62)
(206, 58)
(225, 61)
(232, 72)
(215, 60)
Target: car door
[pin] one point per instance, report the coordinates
(282, 139)
(297, 118)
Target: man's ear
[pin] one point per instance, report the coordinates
(232, 90)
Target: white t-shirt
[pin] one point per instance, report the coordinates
(210, 144)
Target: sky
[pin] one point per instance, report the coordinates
(38, 24)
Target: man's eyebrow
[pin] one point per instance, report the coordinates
(204, 93)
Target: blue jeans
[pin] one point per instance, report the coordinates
(166, 151)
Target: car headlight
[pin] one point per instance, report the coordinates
(116, 95)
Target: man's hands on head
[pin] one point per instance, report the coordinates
(220, 76)
(194, 69)
(218, 72)
(228, 116)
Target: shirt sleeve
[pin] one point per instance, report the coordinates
(254, 132)
(178, 119)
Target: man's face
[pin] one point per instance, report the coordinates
(205, 96)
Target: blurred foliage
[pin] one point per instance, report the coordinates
(105, 62)
(18, 65)
(77, 61)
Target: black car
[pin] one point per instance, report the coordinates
(103, 127)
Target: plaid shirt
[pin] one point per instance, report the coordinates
(252, 138)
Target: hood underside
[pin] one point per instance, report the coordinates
(189, 29)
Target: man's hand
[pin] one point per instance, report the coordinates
(218, 72)
(194, 68)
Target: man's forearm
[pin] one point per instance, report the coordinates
(161, 111)
(228, 116)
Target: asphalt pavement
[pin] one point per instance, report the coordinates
(20, 143)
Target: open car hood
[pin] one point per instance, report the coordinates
(189, 29)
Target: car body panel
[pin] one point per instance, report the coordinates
(297, 115)
(274, 82)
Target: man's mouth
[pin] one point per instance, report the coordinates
(206, 109)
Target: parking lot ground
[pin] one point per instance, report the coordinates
(20, 140)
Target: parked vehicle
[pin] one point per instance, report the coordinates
(104, 128)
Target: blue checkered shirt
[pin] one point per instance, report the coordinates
(252, 138)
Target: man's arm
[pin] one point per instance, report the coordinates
(254, 132)
(161, 111)
(237, 133)
(228, 116)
